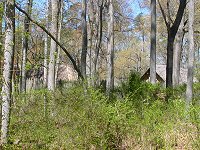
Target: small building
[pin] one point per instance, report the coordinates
(161, 75)
(66, 73)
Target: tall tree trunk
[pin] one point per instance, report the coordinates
(53, 48)
(84, 39)
(45, 68)
(189, 90)
(177, 54)
(110, 54)
(8, 67)
(1, 34)
(170, 45)
(90, 39)
(45, 60)
(169, 67)
(25, 45)
(153, 43)
(172, 30)
(99, 22)
(59, 36)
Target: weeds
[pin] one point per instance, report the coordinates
(139, 120)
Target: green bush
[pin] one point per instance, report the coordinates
(73, 118)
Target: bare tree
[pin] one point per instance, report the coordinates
(73, 61)
(191, 56)
(25, 45)
(153, 43)
(110, 53)
(53, 48)
(172, 28)
(84, 38)
(8, 67)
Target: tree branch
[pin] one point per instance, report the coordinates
(58, 43)
(164, 15)
(168, 13)
(179, 16)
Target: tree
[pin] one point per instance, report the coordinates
(48, 5)
(1, 34)
(110, 52)
(153, 43)
(73, 61)
(95, 32)
(60, 14)
(84, 38)
(53, 48)
(189, 90)
(8, 67)
(172, 28)
(177, 53)
(25, 45)
(98, 37)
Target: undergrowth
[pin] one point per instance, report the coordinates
(72, 118)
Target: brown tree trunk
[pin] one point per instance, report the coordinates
(169, 67)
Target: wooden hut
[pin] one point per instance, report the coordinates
(161, 75)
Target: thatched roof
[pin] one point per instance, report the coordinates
(67, 73)
(161, 74)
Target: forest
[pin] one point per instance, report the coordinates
(100, 74)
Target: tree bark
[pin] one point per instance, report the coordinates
(110, 54)
(1, 34)
(59, 36)
(99, 28)
(8, 67)
(177, 54)
(84, 39)
(189, 90)
(172, 31)
(53, 48)
(25, 46)
(153, 43)
(45, 68)
(169, 67)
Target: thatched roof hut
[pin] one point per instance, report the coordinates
(161, 74)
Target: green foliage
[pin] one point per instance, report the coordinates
(140, 93)
(73, 118)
